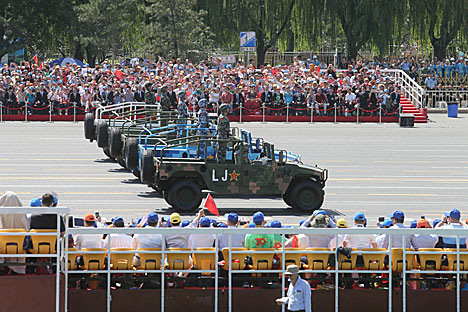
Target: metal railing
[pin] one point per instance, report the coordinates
(58, 211)
(441, 98)
(282, 251)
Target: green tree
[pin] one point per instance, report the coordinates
(176, 28)
(438, 20)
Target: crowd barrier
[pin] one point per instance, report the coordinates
(441, 98)
(397, 257)
(261, 112)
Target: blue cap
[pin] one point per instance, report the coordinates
(232, 217)
(317, 212)
(222, 225)
(387, 223)
(455, 214)
(435, 222)
(36, 202)
(397, 214)
(414, 224)
(447, 213)
(55, 199)
(251, 225)
(117, 219)
(205, 221)
(153, 217)
(275, 224)
(185, 223)
(258, 217)
(359, 216)
(214, 222)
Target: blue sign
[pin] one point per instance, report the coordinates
(247, 39)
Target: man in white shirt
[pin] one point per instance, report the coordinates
(201, 240)
(451, 220)
(88, 240)
(342, 224)
(398, 217)
(148, 240)
(176, 240)
(237, 240)
(359, 241)
(118, 240)
(318, 220)
(425, 240)
(299, 294)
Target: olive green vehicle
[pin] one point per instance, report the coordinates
(182, 180)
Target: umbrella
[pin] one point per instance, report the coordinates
(65, 60)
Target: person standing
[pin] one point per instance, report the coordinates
(203, 124)
(299, 295)
(182, 112)
(165, 105)
(222, 133)
(150, 99)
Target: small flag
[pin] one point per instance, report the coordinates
(211, 205)
(119, 74)
(42, 63)
(35, 59)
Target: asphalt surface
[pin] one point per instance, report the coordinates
(373, 168)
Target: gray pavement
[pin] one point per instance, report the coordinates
(374, 168)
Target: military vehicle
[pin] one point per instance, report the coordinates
(182, 180)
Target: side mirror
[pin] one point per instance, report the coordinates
(280, 157)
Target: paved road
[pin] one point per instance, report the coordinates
(374, 168)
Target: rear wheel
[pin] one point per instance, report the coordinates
(101, 134)
(89, 128)
(115, 142)
(147, 167)
(306, 196)
(185, 196)
(286, 199)
(166, 197)
(131, 153)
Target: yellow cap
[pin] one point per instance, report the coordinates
(175, 218)
(341, 223)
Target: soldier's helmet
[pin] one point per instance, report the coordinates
(202, 103)
(224, 108)
(148, 85)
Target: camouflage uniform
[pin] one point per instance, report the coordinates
(165, 106)
(222, 133)
(150, 99)
(182, 114)
(203, 122)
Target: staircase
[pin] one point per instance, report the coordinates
(408, 108)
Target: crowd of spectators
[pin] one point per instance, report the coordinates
(298, 88)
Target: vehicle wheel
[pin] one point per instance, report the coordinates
(286, 199)
(107, 153)
(166, 197)
(185, 196)
(136, 173)
(131, 153)
(89, 128)
(122, 163)
(101, 134)
(147, 167)
(306, 196)
(115, 142)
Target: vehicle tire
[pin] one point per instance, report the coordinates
(185, 196)
(131, 153)
(115, 142)
(166, 197)
(136, 173)
(89, 128)
(101, 134)
(107, 153)
(122, 163)
(147, 167)
(306, 196)
(286, 199)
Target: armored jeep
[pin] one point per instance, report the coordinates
(182, 180)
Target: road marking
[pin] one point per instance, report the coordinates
(98, 193)
(383, 194)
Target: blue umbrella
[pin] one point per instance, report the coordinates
(65, 60)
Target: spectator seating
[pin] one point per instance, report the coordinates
(397, 259)
(122, 261)
(94, 261)
(452, 259)
(12, 244)
(374, 261)
(237, 259)
(291, 258)
(179, 260)
(72, 258)
(44, 244)
(150, 261)
(347, 264)
(204, 261)
(317, 261)
(430, 262)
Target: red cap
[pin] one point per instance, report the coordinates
(422, 223)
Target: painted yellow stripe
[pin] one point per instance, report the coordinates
(98, 193)
(383, 194)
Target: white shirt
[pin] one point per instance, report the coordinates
(299, 296)
(201, 240)
(147, 240)
(176, 240)
(88, 241)
(397, 240)
(333, 241)
(426, 240)
(379, 239)
(359, 241)
(118, 241)
(237, 240)
(350, 97)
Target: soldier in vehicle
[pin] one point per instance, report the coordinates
(165, 105)
(222, 133)
(203, 122)
(150, 99)
(182, 111)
